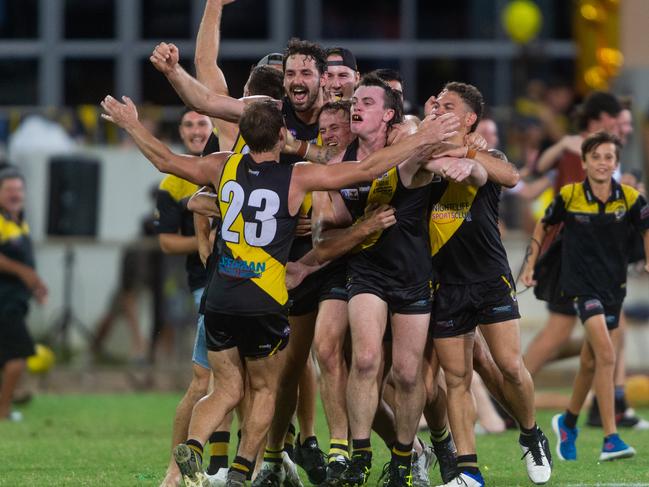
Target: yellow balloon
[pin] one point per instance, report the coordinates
(522, 20)
(42, 360)
(636, 390)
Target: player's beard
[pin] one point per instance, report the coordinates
(312, 97)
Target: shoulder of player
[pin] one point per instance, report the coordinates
(630, 194)
(566, 192)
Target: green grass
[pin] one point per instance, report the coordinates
(123, 440)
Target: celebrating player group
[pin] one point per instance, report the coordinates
(345, 228)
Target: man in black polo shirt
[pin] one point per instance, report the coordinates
(18, 283)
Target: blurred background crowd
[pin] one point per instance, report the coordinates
(534, 61)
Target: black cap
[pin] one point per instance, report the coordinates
(348, 58)
(272, 59)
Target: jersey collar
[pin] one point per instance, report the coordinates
(616, 191)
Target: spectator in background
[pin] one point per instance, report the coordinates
(18, 283)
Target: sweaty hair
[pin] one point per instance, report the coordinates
(387, 74)
(264, 80)
(471, 96)
(391, 99)
(592, 142)
(308, 49)
(260, 124)
(593, 106)
(335, 106)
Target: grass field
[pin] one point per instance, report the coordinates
(123, 440)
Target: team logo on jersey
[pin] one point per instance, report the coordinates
(619, 212)
(240, 269)
(584, 219)
(448, 212)
(349, 194)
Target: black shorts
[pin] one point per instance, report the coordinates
(589, 306)
(15, 340)
(564, 306)
(459, 308)
(254, 336)
(327, 283)
(415, 300)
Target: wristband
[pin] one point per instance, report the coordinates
(470, 153)
(306, 152)
(303, 149)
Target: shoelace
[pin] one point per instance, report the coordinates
(536, 452)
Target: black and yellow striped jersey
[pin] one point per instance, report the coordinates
(256, 234)
(464, 236)
(595, 250)
(172, 216)
(15, 244)
(398, 256)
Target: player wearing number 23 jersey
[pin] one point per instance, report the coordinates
(255, 238)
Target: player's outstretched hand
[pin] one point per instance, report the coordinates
(121, 114)
(380, 217)
(165, 57)
(439, 129)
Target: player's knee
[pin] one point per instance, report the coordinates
(587, 364)
(512, 370)
(200, 382)
(605, 357)
(405, 378)
(366, 362)
(329, 355)
(458, 378)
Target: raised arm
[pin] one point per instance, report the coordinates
(198, 170)
(195, 95)
(208, 41)
(208, 71)
(463, 171)
(204, 202)
(315, 177)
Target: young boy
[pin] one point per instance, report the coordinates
(599, 215)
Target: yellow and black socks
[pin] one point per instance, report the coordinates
(338, 447)
(289, 440)
(242, 466)
(273, 456)
(197, 449)
(218, 451)
(440, 436)
(401, 453)
(362, 447)
(468, 464)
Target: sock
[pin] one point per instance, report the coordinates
(197, 448)
(361, 447)
(570, 420)
(528, 435)
(273, 456)
(401, 453)
(242, 466)
(218, 451)
(338, 447)
(620, 400)
(289, 440)
(440, 436)
(468, 463)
